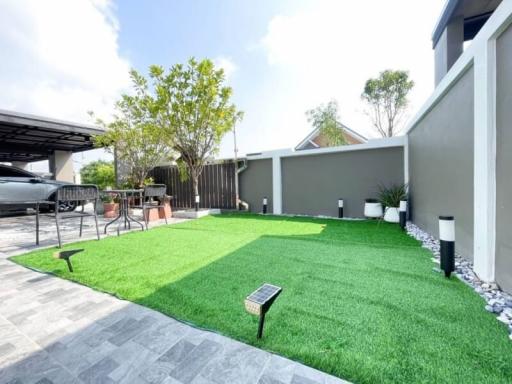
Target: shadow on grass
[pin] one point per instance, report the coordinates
(345, 314)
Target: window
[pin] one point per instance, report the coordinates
(14, 172)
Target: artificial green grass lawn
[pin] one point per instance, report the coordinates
(360, 299)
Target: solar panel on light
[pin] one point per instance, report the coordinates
(259, 302)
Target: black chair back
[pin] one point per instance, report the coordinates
(81, 192)
(155, 190)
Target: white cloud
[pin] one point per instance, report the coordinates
(60, 58)
(328, 49)
(226, 64)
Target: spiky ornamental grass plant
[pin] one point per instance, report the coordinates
(390, 196)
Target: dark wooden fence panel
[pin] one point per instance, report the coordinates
(216, 186)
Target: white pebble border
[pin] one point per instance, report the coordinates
(498, 302)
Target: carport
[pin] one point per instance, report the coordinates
(27, 138)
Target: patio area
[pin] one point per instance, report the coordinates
(18, 232)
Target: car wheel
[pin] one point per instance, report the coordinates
(69, 206)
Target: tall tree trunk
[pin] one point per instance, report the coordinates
(195, 184)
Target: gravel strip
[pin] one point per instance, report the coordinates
(497, 301)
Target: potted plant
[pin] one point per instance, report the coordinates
(110, 206)
(372, 208)
(390, 198)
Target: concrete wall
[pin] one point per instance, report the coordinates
(504, 160)
(61, 166)
(256, 183)
(441, 164)
(449, 48)
(312, 184)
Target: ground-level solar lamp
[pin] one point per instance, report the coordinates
(402, 211)
(259, 302)
(265, 203)
(197, 202)
(66, 256)
(447, 240)
(340, 207)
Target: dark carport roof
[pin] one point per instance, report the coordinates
(28, 138)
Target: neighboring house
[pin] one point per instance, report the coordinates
(316, 140)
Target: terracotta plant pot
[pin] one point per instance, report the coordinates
(151, 214)
(159, 213)
(165, 212)
(111, 210)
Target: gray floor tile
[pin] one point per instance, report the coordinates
(6, 349)
(98, 373)
(190, 367)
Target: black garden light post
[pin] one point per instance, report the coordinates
(265, 201)
(197, 203)
(259, 302)
(447, 237)
(340, 207)
(402, 211)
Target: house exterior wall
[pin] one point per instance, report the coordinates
(322, 141)
(311, 185)
(504, 160)
(441, 147)
(256, 183)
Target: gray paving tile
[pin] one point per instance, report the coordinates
(6, 349)
(190, 367)
(44, 380)
(131, 330)
(161, 338)
(237, 365)
(21, 316)
(303, 380)
(177, 353)
(98, 373)
(266, 379)
(38, 279)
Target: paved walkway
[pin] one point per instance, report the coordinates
(56, 331)
(17, 233)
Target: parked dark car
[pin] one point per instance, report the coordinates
(18, 186)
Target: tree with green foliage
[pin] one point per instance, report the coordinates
(136, 135)
(386, 97)
(326, 119)
(194, 107)
(100, 173)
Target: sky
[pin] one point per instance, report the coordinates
(63, 58)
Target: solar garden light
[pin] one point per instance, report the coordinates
(66, 255)
(197, 203)
(265, 201)
(340, 207)
(259, 302)
(402, 210)
(447, 237)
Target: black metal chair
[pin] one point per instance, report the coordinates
(154, 197)
(72, 194)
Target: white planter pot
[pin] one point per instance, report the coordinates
(392, 215)
(373, 210)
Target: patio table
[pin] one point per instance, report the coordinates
(124, 215)
(36, 204)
